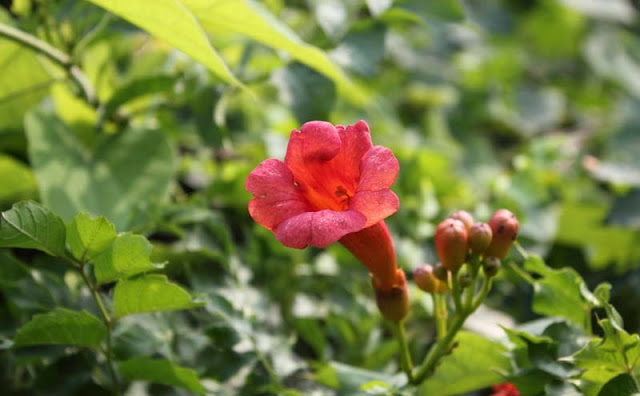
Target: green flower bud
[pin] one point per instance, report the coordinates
(479, 237)
(491, 266)
(464, 280)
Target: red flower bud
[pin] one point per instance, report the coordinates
(394, 303)
(504, 226)
(424, 277)
(479, 237)
(451, 244)
(464, 216)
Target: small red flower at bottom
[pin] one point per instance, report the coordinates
(332, 186)
(506, 389)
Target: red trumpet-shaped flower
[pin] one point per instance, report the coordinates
(332, 186)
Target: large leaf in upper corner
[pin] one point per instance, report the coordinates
(29, 225)
(123, 173)
(251, 19)
(172, 22)
(60, 327)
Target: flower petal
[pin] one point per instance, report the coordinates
(356, 141)
(318, 229)
(378, 169)
(375, 205)
(316, 141)
(276, 197)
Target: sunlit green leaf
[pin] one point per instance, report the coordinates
(88, 237)
(122, 175)
(584, 225)
(29, 225)
(162, 372)
(126, 256)
(150, 293)
(60, 327)
(559, 292)
(16, 180)
(172, 22)
(251, 19)
(475, 363)
(618, 353)
(23, 82)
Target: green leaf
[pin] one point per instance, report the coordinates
(603, 359)
(16, 181)
(361, 50)
(449, 10)
(162, 372)
(172, 22)
(625, 211)
(117, 179)
(29, 225)
(23, 82)
(349, 380)
(476, 363)
(150, 293)
(128, 255)
(251, 19)
(88, 237)
(583, 225)
(60, 327)
(622, 385)
(137, 88)
(559, 292)
(309, 94)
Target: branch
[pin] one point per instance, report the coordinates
(54, 54)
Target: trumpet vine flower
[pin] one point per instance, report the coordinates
(333, 186)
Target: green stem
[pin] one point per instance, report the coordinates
(108, 321)
(405, 355)
(440, 313)
(520, 272)
(440, 349)
(443, 346)
(455, 291)
(486, 287)
(54, 54)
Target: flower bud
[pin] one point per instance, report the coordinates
(441, 273)
(464, 280)
(464, 216)
(393, 303)
(451, 244)
(479, 237)
(425, 279)
(491, 266)
(504, 226)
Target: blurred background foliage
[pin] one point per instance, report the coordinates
(529, 105)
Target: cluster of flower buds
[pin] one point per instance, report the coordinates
(458, 237)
